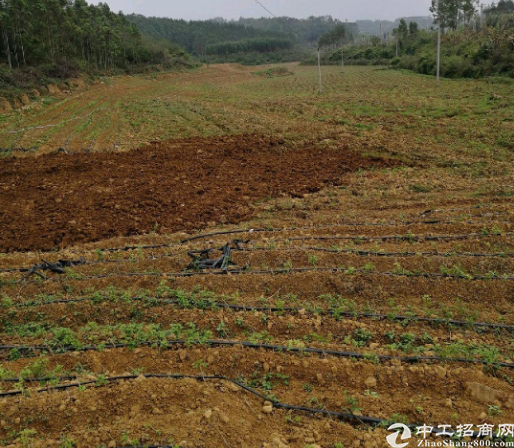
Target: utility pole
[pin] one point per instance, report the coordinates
(342, 59)
(396, 46)
(438, 43)
(319, 71)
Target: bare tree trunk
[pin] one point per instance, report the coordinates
(15, 48)
(7, 47)
(20, 37)
(23, 50)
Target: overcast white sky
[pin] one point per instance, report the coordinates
(233, 9)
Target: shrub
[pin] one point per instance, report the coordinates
(459, 67)
(466, 53)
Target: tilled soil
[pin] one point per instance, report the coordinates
(321, 332)
(59, 199)
(389, 297)
(151, 409)
(214, 413)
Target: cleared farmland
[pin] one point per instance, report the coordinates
(372, 240)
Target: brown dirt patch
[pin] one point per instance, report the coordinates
(59, 199)
(142, 407)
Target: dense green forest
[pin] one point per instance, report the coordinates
(47, 41)
(305, 31)
(263, 45)
(196, 36)
(68, 33)
(245, 41)
(62, 37)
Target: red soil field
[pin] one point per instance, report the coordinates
(61, 199)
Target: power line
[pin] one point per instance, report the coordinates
(266, 9)
(276, 17)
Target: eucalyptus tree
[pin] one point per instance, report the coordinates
(4, 29)
(334, 38)
(64, 32)
(450, 13)
(403, 31)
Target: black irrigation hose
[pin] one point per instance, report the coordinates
(457, 209)
(345, 271)
(58, 267)
(38, 380)
(361, 253)
(274, 230)
(367, 253)
(403, 237)
(233, 232)
(428, 222)
(127, 248)
(252, 345)
(271, 309)
(97, 262)
(355, 238)
(331, 270)
(277, 404)
(197, 237)
(11, 270)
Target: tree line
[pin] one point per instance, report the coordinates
(305, 31)
(333, 38)
(452, 13)
(36, 32)
(382, 28)
(405, 32)
(261, 45)
(502, 7)
(220, 37)
(472, 46)
(196, 36)
(500, 15)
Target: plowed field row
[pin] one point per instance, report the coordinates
(371, 231)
